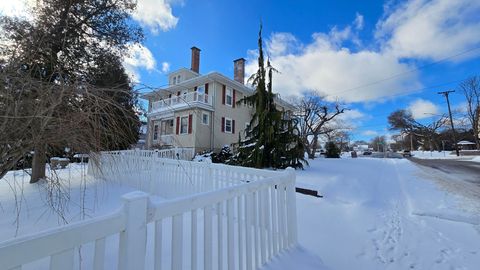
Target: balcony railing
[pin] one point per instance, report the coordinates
(184, 100)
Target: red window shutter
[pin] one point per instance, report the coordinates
(223, 124)
(206, 88)
(224, 93)
(234, 99)
(189, 124)
(178, 125)
(233, 126)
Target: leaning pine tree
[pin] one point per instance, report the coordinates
(271, 138)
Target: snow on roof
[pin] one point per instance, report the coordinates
(465, 143)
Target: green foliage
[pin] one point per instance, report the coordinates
(271, 138)
(332, 150)
(222, 157)
(110, 74)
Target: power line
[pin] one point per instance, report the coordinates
(406, 72)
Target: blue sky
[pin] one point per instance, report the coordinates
(374, 56)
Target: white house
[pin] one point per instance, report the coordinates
(200, 111)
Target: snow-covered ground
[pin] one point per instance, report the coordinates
(385, 214)
(375, 214)
(27, 208)
(442, 155)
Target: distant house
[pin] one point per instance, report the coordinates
(200, 111)
(466, 145)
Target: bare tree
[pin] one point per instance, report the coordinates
(471, 91)
(313, 114)
(379, 143)
(428, 133)
(44, 116)
(51, 95)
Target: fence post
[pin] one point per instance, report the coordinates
(134, 239)
(291, 207)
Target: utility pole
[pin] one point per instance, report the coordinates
(445, 93)
(411, 141)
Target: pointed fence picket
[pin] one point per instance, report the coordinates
(216, 217)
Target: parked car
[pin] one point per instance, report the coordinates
(367, 153)
(407, 153)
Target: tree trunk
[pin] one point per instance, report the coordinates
(313, 149)
(38, 163)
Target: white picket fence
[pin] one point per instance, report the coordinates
(222, 217)
(181, 153)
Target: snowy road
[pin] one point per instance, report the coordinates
(385, 214)
(463, 170)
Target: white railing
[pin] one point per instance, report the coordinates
(247, 218)
(188, 99)
(170, 178)
(181, 153)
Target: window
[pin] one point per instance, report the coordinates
(174, 80)
(184, 125)
(166, 127)
(229, 96)
(205, 118)
(228, 125)
(155, 132)
(201, 89)
(178, 79)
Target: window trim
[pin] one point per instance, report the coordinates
(208, 119)
(227, 95)
(186, 127)
(155, 132)
(225, 125)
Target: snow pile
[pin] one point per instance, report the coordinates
(203, 157)
(434, 154)
(476, 159)
(81, 198)
(384, 214)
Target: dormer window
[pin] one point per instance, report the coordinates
(174, 80)
(178, 78)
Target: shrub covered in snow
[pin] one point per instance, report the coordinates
(223, 156)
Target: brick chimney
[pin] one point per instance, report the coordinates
(195, 59)
(239, 70)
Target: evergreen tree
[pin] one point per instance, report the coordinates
(272, 138)
(332, 150)
(50, 74)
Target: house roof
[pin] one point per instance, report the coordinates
(212, 76)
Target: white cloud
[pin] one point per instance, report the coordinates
(326, 66)
(358, 21)
(165, 67)
(370, 133)
(155, 14)
(138, 57)
(413, 30)
(348, 120)
(421, 108)
(430, 29)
